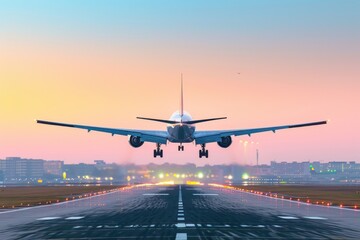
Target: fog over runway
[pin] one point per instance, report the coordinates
(180, 212)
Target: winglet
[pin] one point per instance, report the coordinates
(182, 98)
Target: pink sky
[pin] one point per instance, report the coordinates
(110, 80)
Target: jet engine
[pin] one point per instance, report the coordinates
(135, 141)
(225, 142)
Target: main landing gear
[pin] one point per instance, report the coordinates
(158, 151)
(181, 147)
(203, 152)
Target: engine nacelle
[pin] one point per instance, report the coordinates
(225, 142)
(135, 141)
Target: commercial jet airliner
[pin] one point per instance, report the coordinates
(180, 129)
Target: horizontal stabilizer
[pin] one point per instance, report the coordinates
(204, 120)
(186, 122)
(158, 120)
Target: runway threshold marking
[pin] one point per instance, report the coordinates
(155, 194)
(181, 236)
(205, 194)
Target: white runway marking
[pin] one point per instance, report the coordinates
(74, 218)
(180, 219)
(190, 225)
(181, 211)
(61, 203)
(48, 218)
(180, 214)
(316, 218)
(180, 225)
(181, 236)
(288, 217)
(155, 194)
(205, 194)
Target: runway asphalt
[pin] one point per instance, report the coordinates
(180, 212)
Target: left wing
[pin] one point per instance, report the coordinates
(202, 137)
(145, 135)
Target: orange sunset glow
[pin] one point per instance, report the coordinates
(105, 68)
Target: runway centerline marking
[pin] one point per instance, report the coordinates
(181, 216)
(47, 218)
(74, 218)
(315, 218)
(288, 217)
(155, 194)
(205, 194)
(181, 236)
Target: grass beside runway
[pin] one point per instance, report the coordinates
(344, 196)
(14, 197)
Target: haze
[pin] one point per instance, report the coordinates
(258, 63)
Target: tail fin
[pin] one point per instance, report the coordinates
(182, 98)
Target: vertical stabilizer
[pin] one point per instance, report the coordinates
(182, 98)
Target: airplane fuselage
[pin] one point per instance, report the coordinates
(180, 132)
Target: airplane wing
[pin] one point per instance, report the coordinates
(145, 135)
(202, 137)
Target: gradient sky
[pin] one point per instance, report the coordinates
(103, 63)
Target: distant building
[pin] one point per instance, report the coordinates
(99, 162)
(293, 168)
(54, 167)
(19, 168)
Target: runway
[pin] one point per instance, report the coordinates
(180, 212)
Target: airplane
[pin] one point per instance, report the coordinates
(180, 129)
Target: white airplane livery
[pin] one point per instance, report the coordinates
(180, 129)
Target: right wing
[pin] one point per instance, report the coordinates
(202, 137)
(145, 135)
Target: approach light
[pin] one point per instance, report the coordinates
(161, 175)
(245, 176)
(200, 175)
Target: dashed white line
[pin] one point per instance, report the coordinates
(315, 218)
(181, 236)
(155, 194)
(205, 194)
(48, 218)
(288, 217)
(180, 218)
(180, 225)
(74, 218)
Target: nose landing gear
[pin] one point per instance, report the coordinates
(158, 151)
(181, 147)
(203, 152)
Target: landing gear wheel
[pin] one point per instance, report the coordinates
(158, 151)
(203, 152)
